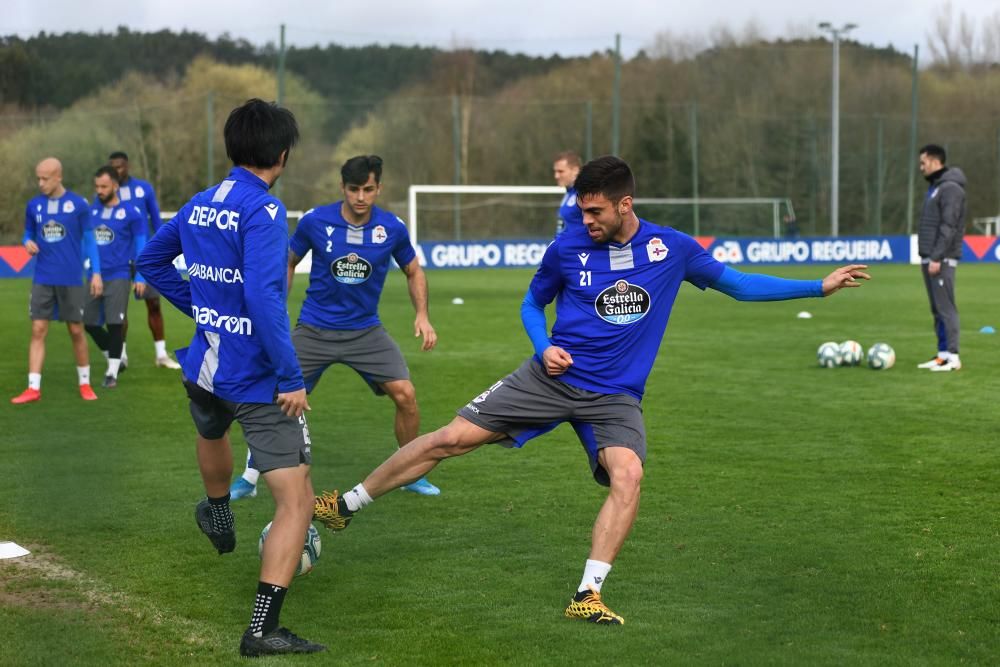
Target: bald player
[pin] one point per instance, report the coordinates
(57, 233)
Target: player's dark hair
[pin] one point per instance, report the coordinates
(118, 155)
(355, 171)
(106, 170)
(258, 132)
(608, 175)
(934, 151)
(572, 158)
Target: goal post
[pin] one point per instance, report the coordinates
(775, 207)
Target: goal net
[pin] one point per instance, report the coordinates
(478, 212)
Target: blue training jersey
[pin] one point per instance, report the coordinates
(116, 229)
(57, 226)
(234, 237)
(141, 194)
(349, 265)
(613, 301)
(570, 215)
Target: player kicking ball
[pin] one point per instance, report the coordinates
(614, 279)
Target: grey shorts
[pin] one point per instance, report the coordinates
(371, 352)
(57, 302)
(275, 439)
(528, 403)
(150, 292)
(109, 308)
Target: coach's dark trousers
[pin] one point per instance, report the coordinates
(941, 292)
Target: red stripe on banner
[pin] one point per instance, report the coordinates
(16, 256)
(705, 241)
(980, 245)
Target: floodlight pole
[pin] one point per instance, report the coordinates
(836, 34)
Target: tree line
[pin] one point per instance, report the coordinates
(738, 119)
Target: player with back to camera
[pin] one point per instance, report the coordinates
(140, 193)
(57, 233)
(614, 280)
(353, 243)
(120, 231)
(241, 364)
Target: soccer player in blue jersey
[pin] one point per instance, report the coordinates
(120, 231)
(353, 243)
(57, 232)
(565, 168)
(614, 280)
(241, 364)
(140, 193)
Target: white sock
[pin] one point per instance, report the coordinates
(944, 354)
(113, 365)
(357, 498)
(35, 381)
(161, 348)
(124, 355)
(83, 374)
(250, 474)
(105, 353)
(594, 575)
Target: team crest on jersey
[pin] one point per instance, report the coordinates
(139, 192)
(68, 207)
(120, 214)
(104, 235)
(351, 269)
(622, 303)
(53, 232)
(571, 200)
(657, 250)
(379, 235)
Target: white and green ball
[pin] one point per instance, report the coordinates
(851, 353)
(310, 551)
(881, 357)
(828, 355)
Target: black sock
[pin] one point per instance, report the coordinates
(222, 515)
(266, 608)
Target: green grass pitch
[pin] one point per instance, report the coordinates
(790, 515)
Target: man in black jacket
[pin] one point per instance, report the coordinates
(939, 243)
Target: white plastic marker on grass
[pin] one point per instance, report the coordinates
(458, 301)
(803, 315)
(11, 550)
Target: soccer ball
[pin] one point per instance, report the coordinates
(881, 357)
(310, 551)
(828, 355)
(850, 353)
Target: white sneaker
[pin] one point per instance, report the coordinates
(950, 365)
(933, 363)
(167, 362)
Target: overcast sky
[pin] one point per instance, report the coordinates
(530, 26)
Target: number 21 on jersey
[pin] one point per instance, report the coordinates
(584, 278)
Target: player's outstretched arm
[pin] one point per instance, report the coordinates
(762, 287)
(845, 276)
(555, 359)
